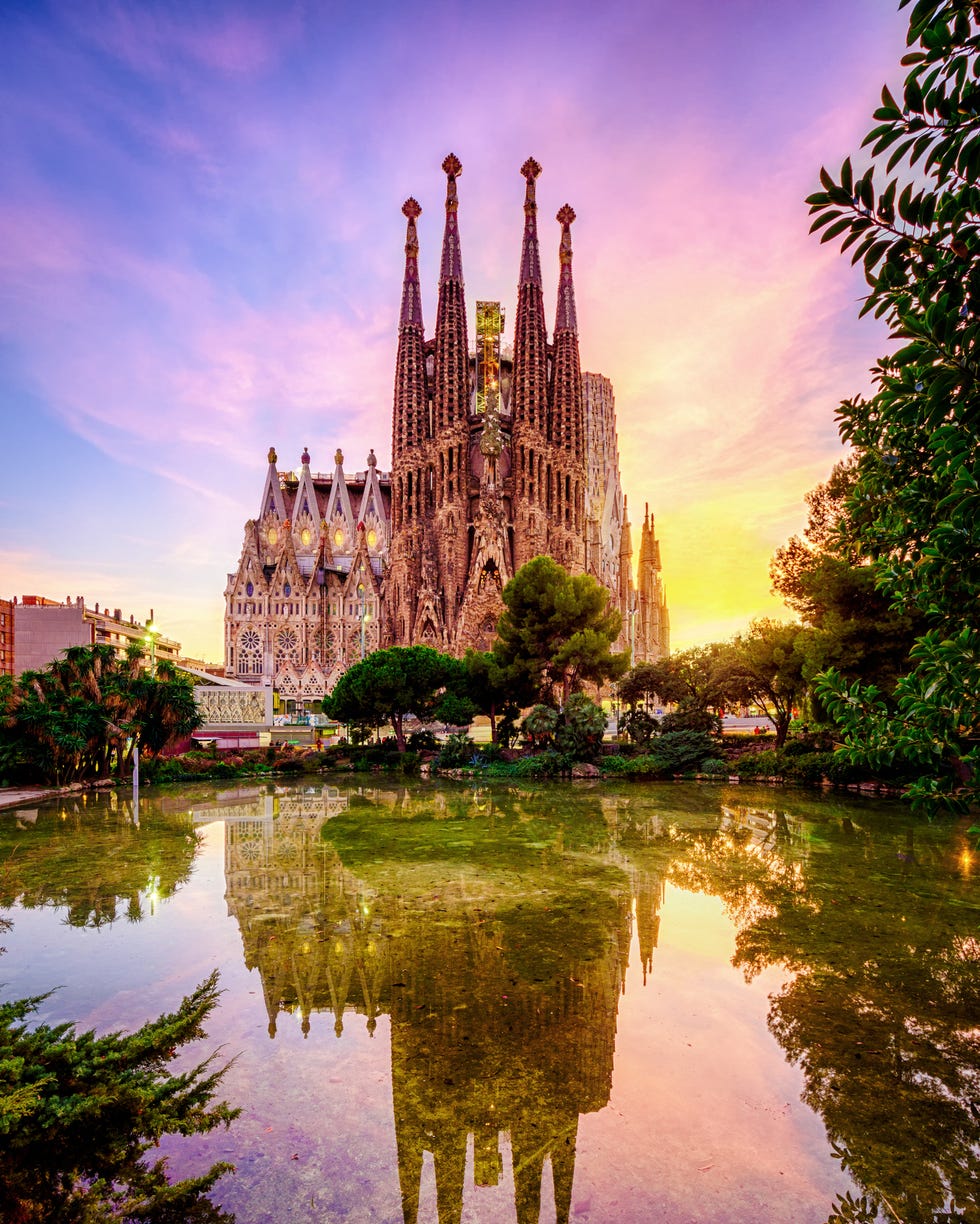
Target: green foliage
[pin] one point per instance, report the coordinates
(388, 684)
(766, 667)
(831, 583)
(689, 718)
(458, 751)
(423, 741)
(79, 1112)
(696, 680)
(497, 689)
(539, 725)
(916, 501)
(640, 726)
(581, 728)
(81, 718)
(556, 630)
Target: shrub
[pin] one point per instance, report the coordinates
(423, 741)
(582, 726)
(457, 751)
(690, 720)
(81, 1112)
(681, 751)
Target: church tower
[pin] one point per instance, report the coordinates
(410, 431)
(653, 624)
(445, 487)
(529, 391)
(565, 475)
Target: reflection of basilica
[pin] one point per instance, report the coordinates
(502, 989)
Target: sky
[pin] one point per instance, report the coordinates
(202, 247)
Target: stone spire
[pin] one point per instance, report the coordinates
(529, 394)
(567, 423)
(410, 414)
(411, 315)
(452, 393)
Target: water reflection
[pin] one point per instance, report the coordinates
(495, 938)
(493, 928)
(125, 870)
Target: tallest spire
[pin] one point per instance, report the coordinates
(452, 370)
(529, 397)
(452, 260)
(530, 257)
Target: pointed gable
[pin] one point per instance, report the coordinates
(338, 515)
(272, 500)
(306, 520)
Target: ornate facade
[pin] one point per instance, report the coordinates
(496, 458)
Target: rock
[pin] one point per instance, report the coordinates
(582, 769)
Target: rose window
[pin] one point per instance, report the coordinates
(287, 648)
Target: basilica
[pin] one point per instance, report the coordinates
(499, 454)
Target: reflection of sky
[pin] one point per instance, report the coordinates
(201, 247)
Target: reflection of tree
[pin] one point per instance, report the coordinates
(882, 1006)
(90, 858)
(492, 927)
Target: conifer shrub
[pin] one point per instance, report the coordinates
(78, 1113)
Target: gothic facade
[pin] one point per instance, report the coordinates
(497, 458)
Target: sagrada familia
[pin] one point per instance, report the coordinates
(496, 458)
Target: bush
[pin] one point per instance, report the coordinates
(423, 741)
(81, 1112)
(582, 726)
(714, 766)
(681, 751)
(457, 751)
(690, 720)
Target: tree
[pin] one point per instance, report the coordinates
(825, 578)
(79, 1112)
(765, 666)
(388, 684)
(916, 500)
(557, 631)
(691, 679)
(495, 689)
(83, 716)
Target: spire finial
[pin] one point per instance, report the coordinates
(530, 170)
(412, 208)
(305, 457)
(272, 454)
(565, 216)
(339, 457)
(453, 168)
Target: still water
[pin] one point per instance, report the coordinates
(586, 1002)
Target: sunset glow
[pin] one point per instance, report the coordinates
(201, 249)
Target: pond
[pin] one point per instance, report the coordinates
(585, 1002)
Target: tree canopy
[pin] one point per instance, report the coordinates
(825, 577)
(82, 717)
(388, 684)
(556, 630)
(916, 498)
(766, 666)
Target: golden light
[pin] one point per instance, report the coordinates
(273, 535)
(338, 537)
(306, 535)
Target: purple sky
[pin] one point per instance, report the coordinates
(201, 250)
